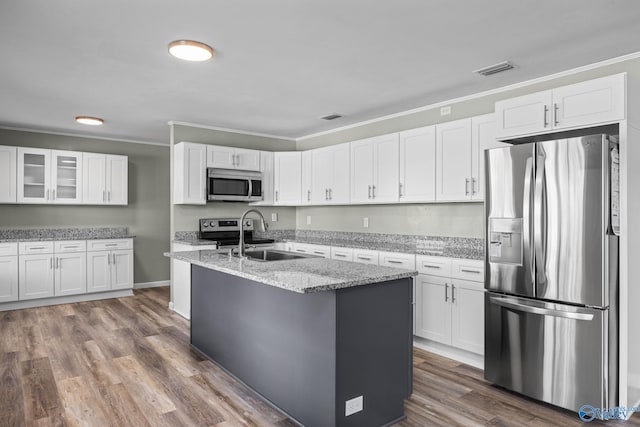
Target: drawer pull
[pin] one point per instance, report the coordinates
(111, 244)
(340, 255)
(392, 261)
(36, 247)
(437, 267)
(318, 252)
(469, 271)
(366, 258)
(71, 246)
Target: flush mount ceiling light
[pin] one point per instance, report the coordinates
(190, 50)
(88, 120)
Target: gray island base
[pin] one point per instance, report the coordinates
(310, 353)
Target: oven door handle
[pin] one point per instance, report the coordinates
(514, 305)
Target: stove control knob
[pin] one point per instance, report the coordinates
(205, 225)
(212, 224)
(248, 223)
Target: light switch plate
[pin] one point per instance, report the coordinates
(353, 406)
(274, 217)
(445, 111)
(365, 222)
(308, 219)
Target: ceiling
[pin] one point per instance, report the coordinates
(280, 65)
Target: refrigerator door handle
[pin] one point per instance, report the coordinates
(509, 303)
(540, 220)
(526, 217)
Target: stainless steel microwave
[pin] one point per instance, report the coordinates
(233, 185)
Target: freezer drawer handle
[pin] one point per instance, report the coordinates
(538, 310)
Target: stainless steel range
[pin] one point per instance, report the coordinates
(226, 232)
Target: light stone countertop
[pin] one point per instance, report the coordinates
(305, 275)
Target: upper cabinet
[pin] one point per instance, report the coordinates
(417, 165)
(330, 175)
(105, 179)
(287, 178)
(8, 156)
(584, 104)
(49, 176)
(232, 158)
(375, 169)
(189, 173)
(306, 181)
(460, 147)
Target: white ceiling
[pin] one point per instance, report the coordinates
(281, 64)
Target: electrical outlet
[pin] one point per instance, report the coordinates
(352, 406)
(445, 111)
(274, 217)
(308, 219)
(365, 222)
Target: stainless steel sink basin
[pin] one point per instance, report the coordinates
(273, 255)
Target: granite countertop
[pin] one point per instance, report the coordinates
(194, 242)
(71, 233)
(305, 275)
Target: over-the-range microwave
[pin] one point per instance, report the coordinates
(233, 185)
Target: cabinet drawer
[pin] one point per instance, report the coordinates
(365, 256)
(397, 260)
(433, 265)
(468, 269)
(28, 248)
(345, 254)
(305, 248)
(109, 244)
(68, 246)
(8, 248)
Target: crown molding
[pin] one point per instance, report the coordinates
(242, 132)
(77, 135)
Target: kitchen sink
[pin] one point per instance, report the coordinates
(273, 255)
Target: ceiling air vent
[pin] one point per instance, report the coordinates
(496, 68)
(331, 117)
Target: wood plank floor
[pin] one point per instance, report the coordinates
(127, 362)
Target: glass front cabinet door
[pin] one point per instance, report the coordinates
(49, 176)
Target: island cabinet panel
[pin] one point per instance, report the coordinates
(309, 353)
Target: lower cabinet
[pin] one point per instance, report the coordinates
(311, 249)
(70, 274)
(8, 272)
(450, 309)
(109, 270)
(36, 276)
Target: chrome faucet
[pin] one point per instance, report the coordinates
(263, 224)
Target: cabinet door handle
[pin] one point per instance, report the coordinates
(104, 196)
(109, 196)
(373, 191)
(555, 114)
(453, 293)
(57, 262)
(369, 193)
(51, 263)
(53, 194)
(47, 194)
(331, 194)
(446, 292)
(545, 123)
(276, 195)
(466, 186)
(308, 195)
(400, 190)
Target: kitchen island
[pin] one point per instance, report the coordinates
(328, 342)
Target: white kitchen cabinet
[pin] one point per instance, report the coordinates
(8, 272)
(450, 302)
(418, 165)
(397, 260)
(189, 174)
(467, 315)
(330, 175)
(105, 179)
(585, 104)
(232, 158)
(70, 273)
(36, 276)
(312, 249)
(453, 160)
(287, 178)
(344, 254)
(49, 176)
(433, 310)
(8, 174)
(109, 265)
(483, 137)
(181, 283)
(307, 180)
(267, 170)
(375, 169)
(365, 256)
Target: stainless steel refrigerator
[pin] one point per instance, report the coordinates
(552, 270)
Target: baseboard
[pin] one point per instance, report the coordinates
(475, 360)
(17, 305)
(151, 284)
